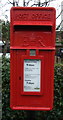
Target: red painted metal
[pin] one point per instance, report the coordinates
(32, 28)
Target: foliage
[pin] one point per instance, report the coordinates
(59, 37)
(55, 114)
(5, 36)
(5, 31)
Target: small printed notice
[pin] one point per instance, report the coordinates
(32, 75)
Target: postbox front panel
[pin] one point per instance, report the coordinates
(32, 58)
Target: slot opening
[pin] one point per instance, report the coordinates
(46, 28)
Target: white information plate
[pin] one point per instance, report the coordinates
(32, 75)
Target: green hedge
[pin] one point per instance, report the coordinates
(55, 114)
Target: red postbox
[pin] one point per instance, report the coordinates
(32, 49)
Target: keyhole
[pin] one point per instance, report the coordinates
(19, 77)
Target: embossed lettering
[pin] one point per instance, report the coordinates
(40, 16)
(32, 17)
(21, 17)
(33, 41)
